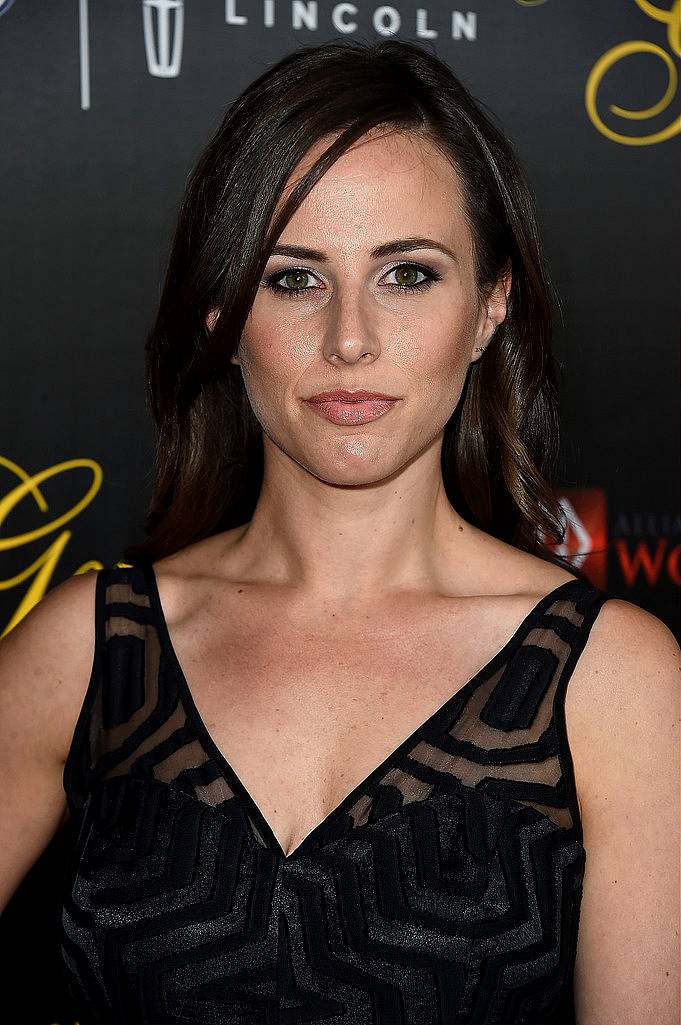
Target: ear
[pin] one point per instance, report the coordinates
(493, 313)
(211, 320)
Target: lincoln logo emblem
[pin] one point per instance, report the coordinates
(161, 62)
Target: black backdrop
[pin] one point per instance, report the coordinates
(101, 125)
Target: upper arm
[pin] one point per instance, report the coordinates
(45, 664)
(627, 967)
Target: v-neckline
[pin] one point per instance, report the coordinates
(238, 785)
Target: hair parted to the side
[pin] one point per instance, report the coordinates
(501, 444)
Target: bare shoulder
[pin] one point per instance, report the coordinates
(45, 664)
(628, 652)
(623, 719)
(625, 680)
(626, 626)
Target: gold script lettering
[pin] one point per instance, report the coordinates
(672, 18)
(41, 570)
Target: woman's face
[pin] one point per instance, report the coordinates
(343, 319)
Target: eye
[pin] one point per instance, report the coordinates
(408, 270)
(296, 276)
(293, 273)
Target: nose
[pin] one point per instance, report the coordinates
(350, 336)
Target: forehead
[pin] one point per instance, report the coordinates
(385, 185)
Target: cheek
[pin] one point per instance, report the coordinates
(435, 360)
(272, 364)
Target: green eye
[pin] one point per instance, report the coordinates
(408, 270)
(297, 276)
(293, 279)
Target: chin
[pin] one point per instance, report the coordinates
(349, 470)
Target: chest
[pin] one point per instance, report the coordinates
(304, 710)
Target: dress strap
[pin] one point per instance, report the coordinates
(121, 623)
(79, 758)
(526, 707)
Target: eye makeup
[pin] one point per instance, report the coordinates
(271, 281)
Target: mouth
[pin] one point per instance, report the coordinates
(341, 395)
(350, 408)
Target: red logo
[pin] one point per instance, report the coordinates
(586, 533)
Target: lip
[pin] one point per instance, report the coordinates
(341, 395)
(359, 411)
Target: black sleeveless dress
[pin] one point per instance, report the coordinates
(445, 889)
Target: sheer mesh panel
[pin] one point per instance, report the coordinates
(504, 753)
(155, 737)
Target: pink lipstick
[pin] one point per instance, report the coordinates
(347, 408)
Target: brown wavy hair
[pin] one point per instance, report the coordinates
(501, 443)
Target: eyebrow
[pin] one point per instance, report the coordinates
(400, 245)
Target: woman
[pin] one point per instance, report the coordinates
(321, 769)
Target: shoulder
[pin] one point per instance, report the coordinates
(628, 650)
(625, 684)
(625, 740)
(628, 692)
(45, 664)
(58, 620)
(630, 676)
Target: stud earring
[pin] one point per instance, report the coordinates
(481, 348)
